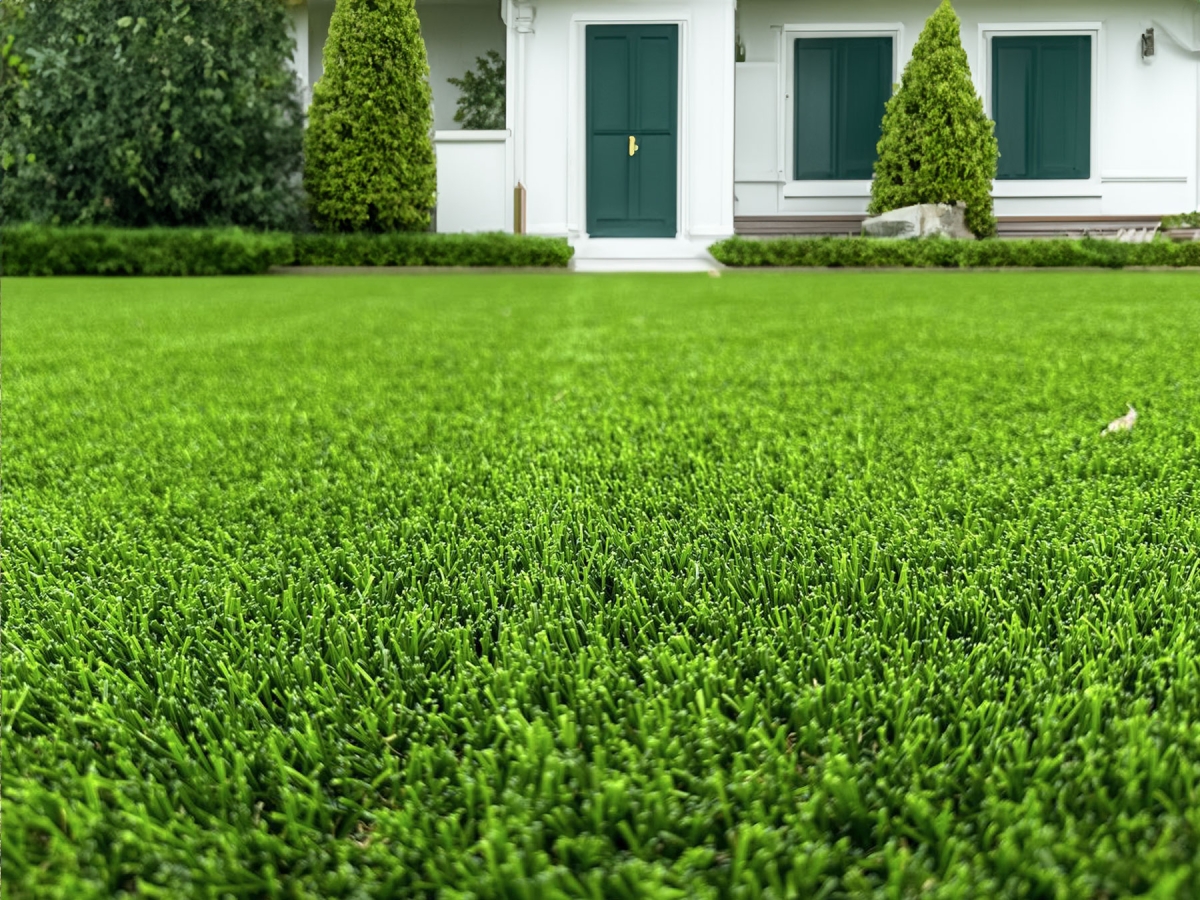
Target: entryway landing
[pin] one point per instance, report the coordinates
(642, 255)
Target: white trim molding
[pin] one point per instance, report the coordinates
(1038, 188)
(847, 188)
(467, 136)
(788, 34)
(1141, 178)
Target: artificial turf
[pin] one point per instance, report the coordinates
(772, 585)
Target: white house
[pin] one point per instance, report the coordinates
(651, 128)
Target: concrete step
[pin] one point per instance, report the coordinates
(644, 265)
(642, 255)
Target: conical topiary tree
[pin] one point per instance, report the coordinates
(938, 145)
(369, 162)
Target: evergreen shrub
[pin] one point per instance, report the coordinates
(938, 145)
(149, 113)
(369, 162)
(942, 253)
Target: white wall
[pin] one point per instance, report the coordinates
(455, 34)
(472, 173)
(1146, 123)
(548, 120)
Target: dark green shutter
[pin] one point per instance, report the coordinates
(841, 88)
(1042, 104)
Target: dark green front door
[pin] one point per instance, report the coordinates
(632, 123)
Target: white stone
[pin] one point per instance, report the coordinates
(923, 220)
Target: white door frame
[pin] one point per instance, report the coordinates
(577, 111)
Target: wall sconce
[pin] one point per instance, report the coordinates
(1148, 44)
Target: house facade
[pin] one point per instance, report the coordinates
(658, 126)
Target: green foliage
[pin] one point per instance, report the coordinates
(622, 587)
(1187, 220)
(40, 250)
(369, 162)
(149, 112)
(481, 102)
(14, 70)
(938, 146)
(506, 250)
(941, 253)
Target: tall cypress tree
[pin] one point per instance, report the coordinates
(938, 145)
(369, 162)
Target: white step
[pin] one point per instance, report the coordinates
(641, 255)
(642, 265)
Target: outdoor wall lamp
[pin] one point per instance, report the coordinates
(1148, 44)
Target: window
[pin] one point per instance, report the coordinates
(841, 88)
(1042, 105)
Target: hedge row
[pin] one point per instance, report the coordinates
(422, 249)
(1187, 220)
(940, 253)
(36, 250)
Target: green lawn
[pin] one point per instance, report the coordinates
(818, 585)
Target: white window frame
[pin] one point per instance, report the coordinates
(786, 151)
(1047, 188)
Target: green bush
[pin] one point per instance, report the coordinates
(938, 146)
(940, 253)
(42, 250)
(38, 250)
(1187, 220)
(149, 112)
(369, 162)
(481, 103)
(497, 249)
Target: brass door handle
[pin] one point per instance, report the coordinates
(633, 145)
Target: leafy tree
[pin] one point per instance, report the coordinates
(369, 162)
(938, 145)
(481, 101)
(149, 112)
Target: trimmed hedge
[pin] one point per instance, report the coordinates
(1188, 220)
(399, 249)
(947, 254)
(41, 250)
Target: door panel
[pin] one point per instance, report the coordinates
(656, 191)
(814, 110)
(632, 90)
(1011, 102)
(866, 80)
(608, 97)
(655, 84)
(1065, 111)
(610, 169)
